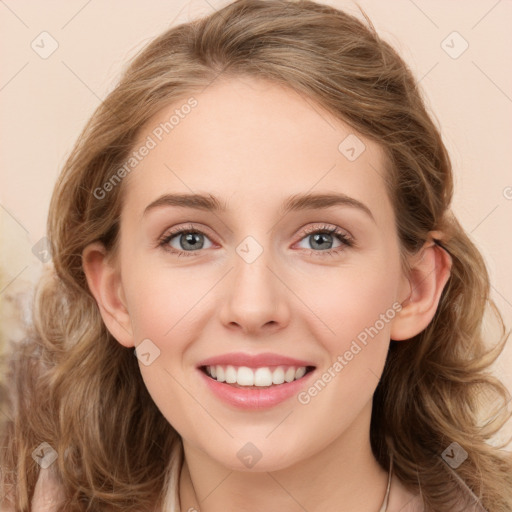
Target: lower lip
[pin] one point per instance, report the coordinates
(256, 398)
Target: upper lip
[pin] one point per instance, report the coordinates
(253, 361)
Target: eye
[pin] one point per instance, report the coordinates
(191, 242)
(319, 237)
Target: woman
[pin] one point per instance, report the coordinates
(270, 373)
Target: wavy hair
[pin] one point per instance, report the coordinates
(72, 385)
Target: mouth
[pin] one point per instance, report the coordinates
(256, 378)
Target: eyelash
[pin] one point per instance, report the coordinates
(346, 240)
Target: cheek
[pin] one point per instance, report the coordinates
(349, 300)
(161, 306)
(358, 311)
(348, 295)
(161, 301)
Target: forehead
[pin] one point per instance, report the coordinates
(254, 140)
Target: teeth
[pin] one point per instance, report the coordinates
(261, 377)
(300, 372)
(230, 375)
(278, 376)
(245, 376)
(289, 375)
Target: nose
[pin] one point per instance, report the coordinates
(255, 292)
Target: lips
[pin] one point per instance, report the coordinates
(261, 395)
(254, 398)
(254, 361)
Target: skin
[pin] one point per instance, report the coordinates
(253, 144)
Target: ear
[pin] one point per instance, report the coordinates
(430, 270)
(104, 281)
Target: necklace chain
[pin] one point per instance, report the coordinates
(383, 508)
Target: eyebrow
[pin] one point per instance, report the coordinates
(297, 202)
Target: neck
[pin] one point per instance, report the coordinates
(344, 476)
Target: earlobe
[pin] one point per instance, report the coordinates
(105, 285)
(430, 271)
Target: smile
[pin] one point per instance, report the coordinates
(255, 391)
(264, 376)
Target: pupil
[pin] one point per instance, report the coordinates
(321, 235)
(189, 239)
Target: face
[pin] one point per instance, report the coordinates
(319, 283)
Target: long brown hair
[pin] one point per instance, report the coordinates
(72, 385)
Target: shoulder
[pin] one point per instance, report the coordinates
(47, 494)
(402, 500)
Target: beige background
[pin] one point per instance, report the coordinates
(46, 101)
